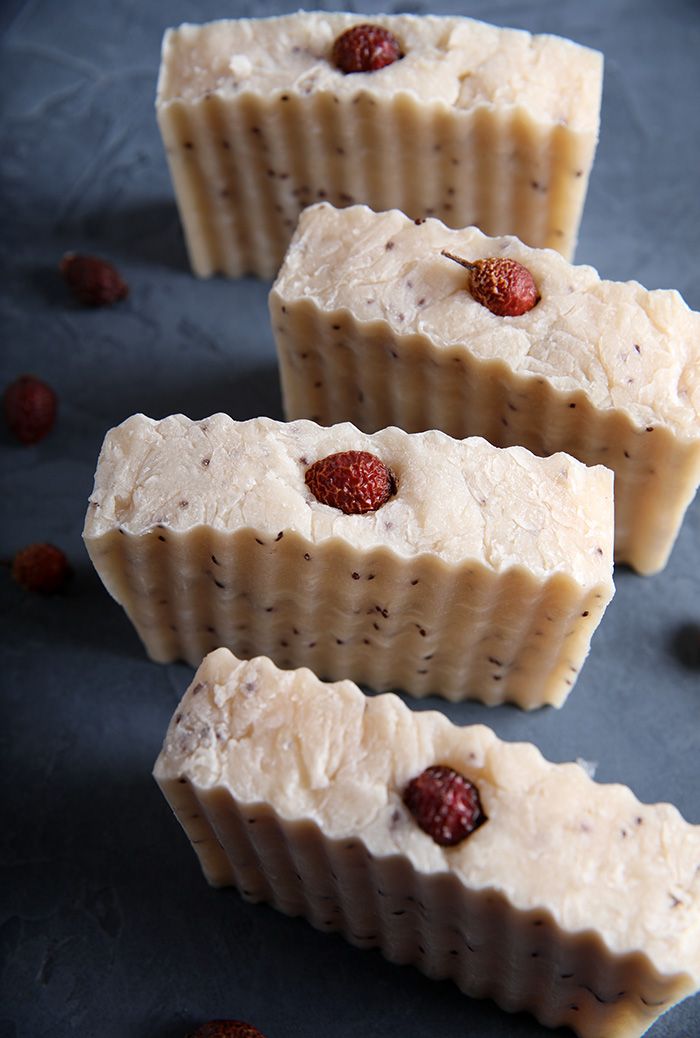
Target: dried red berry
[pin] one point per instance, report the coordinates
(503, 286)
(353, 481)
(365, 48)
(226, 1029)
(94, 281)
(30, 408)
(445, 804)
(40, 567)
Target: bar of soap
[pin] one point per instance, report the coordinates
(484, 576)
(374, 326)
(475, 124)
(573, 900)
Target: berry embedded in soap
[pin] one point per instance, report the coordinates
(444, 804)
(503, 286)
(365, 48)
(353, 481)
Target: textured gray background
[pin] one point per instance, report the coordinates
(106, 925)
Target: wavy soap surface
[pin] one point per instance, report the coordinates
(484, 576)
(374, 326)
(573, 900)
(476, 124)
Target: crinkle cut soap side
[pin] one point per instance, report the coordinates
(432, 86)
(484, 573)
(503, 913)
(373, 325)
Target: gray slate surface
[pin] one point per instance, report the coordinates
(106, 925)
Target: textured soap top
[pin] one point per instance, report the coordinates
(626, 348)
(458, 499)
(590, 854)
(456, 61)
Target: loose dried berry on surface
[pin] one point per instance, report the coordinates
(365, 48)
(445, 804)
(40, 567)
(353, 481)
(93, 280)
(226, 1029)
(503, 286)
(30, 408)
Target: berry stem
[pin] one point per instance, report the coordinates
(458, 259)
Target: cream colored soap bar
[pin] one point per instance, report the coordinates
(484, 576)
(374, 326)
(573, 900)
(474, 124)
